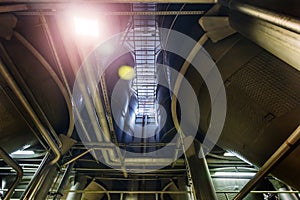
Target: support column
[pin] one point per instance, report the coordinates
(200, 174)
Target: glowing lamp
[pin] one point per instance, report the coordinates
(86, 26)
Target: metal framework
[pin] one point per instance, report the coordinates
(145, 40)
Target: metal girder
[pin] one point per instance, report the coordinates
(280, 153)
(117, 13)
(200, 174)
(12, 8)
(127, 192)
(110, 1)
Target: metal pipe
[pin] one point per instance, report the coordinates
(281, 42)
(98, 105)
(280, 153)
(54, 76)
(262, 192)
(15, 88)
(115, 170)
(116, 13)
(164, 189)
(108, 154)
(32, 186)
(127, 192)
(11, 162)
(225, 191)
(75, 67)
(26, 120)
(58, 63)
(76, 158)
(281, 20)
(27, 91)
(13, 8)
(64, 181)
(176, 89)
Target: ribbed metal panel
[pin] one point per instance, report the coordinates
(269, 82)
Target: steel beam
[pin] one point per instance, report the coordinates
(111, 1)
(13, 8)
(280, 153)
(127, 192)
(200, 174)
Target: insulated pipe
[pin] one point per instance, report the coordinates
(281, 20)
(280, 153)
(15, 88)
(277, 33)
(99, 109)
(108, 153)
(11, 162)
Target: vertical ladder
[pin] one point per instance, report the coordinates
(145, 40)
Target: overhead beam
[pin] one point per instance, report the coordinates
(13, 8)
(111, 1)
(280, 153)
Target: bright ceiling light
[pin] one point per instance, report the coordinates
(25, 152)
(234, 174)
(228, 154)
(86, 26)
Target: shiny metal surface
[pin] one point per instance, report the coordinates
(259, 66)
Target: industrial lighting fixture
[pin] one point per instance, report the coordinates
(228, 154)
(24, 152)
(86, 26)
(234, 174)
